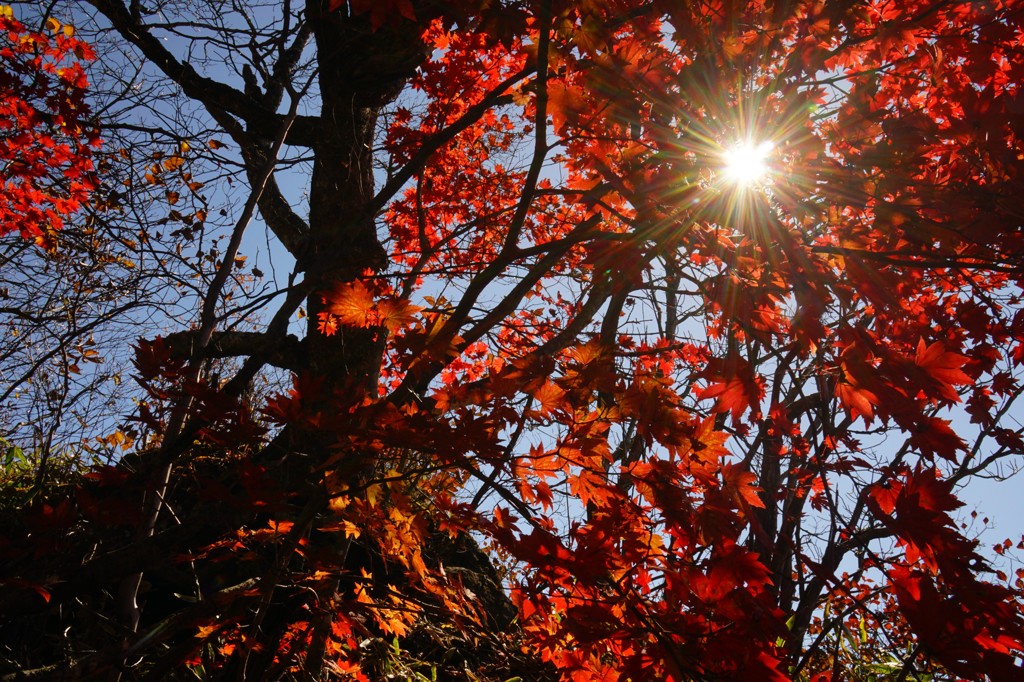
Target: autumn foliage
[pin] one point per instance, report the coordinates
(46, 137)
(709, 429)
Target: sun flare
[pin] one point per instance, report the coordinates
(747, 163)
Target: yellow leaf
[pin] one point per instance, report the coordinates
(373, 493)
(53, 25)
(521, 97)
(340, 503)
(395, 625)
(207, 631)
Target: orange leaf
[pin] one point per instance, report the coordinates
(739, 482)
(395, 313)
(549, 397)
(351, 302)
(207, 631)
(28, 584)
(858, 401)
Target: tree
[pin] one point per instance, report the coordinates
(67, 283)
(704, 413)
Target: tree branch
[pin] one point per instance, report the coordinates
(211, 93)
(283, 221)
(283, 352)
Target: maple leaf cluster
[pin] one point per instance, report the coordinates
(46, 133)
(823, 298)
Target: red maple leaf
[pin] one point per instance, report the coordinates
(734, 385)
(943, 368)
(738, 482)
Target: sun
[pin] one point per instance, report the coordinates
(746, 164)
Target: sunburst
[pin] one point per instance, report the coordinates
(747, 163)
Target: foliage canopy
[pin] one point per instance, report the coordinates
(714, 424)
